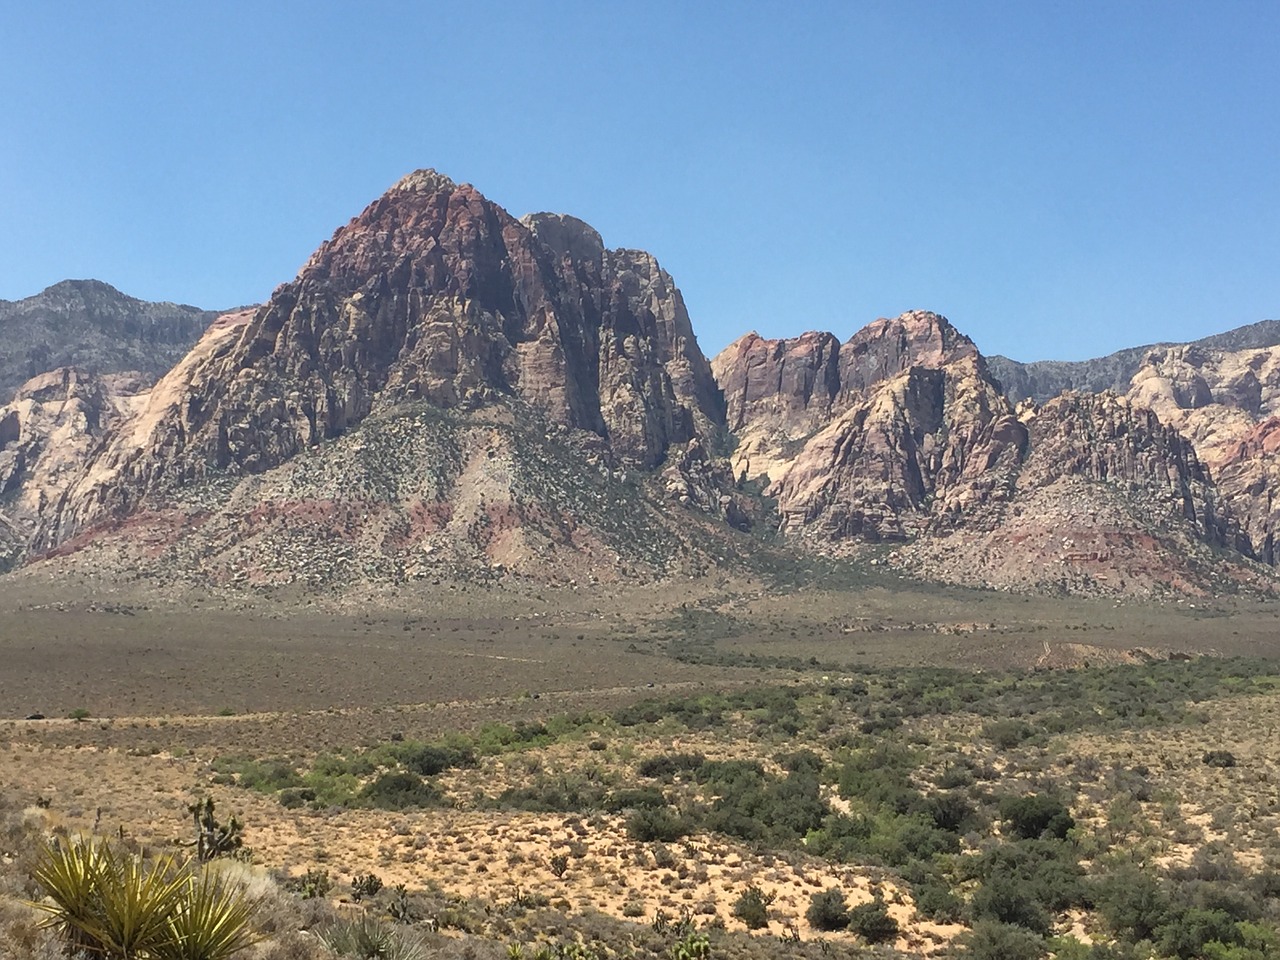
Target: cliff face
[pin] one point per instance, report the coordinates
(901, 435)
(49, 432)
(441, 387)
(880, 437)
(1226, 403)
(432, 295)
(95, 328)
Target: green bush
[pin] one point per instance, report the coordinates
(1007, 900)
(752, 907)
(429, 759)
(828, 910)
(648, 824)
(1133, 903)
(1036, 815)
(872, 922)
(399, 791)
(1009, 733)
(667, 765)
(989, 940)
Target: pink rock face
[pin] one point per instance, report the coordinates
(432, 294)
(901, 435)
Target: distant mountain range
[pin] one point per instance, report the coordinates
(1042, 380)
(448, 392)
(93, 326)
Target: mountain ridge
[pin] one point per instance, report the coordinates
(445, 390)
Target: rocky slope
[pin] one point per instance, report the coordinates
(440, 380)
(902, 435)
(94, 327)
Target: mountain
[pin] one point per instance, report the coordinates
(94, 327)
(902, 435)
(442, 387)
(1042, 380)
(448, 393)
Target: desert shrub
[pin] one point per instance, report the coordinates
(828, 910)
(564, 794)
(1186, 934)
(752, 907)
(264, 776)
(802, 762)
(635, 799)
(429, 759)
(1035, 815)
(295, 797)
(936, 901)
(1133, 903)
(1008, 733)
(649, 824)
(989, 940)
(667, 765)
(840, 837)
(880, 777)
(872, 922)
(1046, 870)
(368, 939)
(1004, 899)
(955, 775)
(951, 811)
(399, 791)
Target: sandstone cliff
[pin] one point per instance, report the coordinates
(902, 435)
(511, 361)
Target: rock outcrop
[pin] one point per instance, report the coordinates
(434, 310)
(1042, 380)
(1224, 402)
(48, 434)
(901, 435)
(95, 328)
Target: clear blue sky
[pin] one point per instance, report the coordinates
(1059, 178)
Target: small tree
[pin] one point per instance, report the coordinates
(828, 910)
(872, 922)
(752, 907)
(214, 839)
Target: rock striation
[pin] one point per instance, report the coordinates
(433, 310)
(901, 435)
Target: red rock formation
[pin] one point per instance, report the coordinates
(433, 294)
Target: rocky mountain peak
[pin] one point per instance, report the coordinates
(432, 297)
(426, 180)
(565, 236)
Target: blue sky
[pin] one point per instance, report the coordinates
(1060, 179)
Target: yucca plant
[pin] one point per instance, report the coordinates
(71, 877)
(211, 922)
(135, 904)
(114, 906)
(367, 939)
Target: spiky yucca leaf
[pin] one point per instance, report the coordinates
(367, 939)
(71, 877)
(134, 904)
(210, 923)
